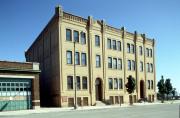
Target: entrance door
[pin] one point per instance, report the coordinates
(142, 88)
(15, 94)
(98, 86)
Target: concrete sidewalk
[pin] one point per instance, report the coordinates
(47, 110)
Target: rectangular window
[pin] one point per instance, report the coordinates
(147, 67)
(77, 61)
(128, 48)
(132, 49)
(149, 84)
(114, 44)
(83, 59)
(133, 65)
(84, 81)
(78, 82)
(70, 82)
(109, 62)
(140, 50)
(118, 45)
(115, 83)
(97, 40)
(109, 43)
(129, 64)
(98, 61)
(83, 38)
(152, 85)
(76, 36)
(151, 53)
(120, 84)
(120, 64)
(110, 80)
(141, 66)
(115, 63)
(69, 57)
(68, 35)
(151, 67)
(147, 52)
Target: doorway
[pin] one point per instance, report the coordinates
(142, 88)
(98, 87)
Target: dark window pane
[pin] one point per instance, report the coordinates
(69, 57)
(76, 36)
(97, 40)
(84, 82)
(83, 38)
(98, 61)
(83, 59)
(77, 61)
(69, 82)
(109, 62)
(109, 43)
(78, 82)
(68, 35)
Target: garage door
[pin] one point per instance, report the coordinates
(15, 94)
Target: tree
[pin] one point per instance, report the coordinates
(168, 87)
(130, 87)
(174, 92)
(161, 88)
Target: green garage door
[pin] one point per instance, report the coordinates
(15, 94)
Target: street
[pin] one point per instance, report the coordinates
(148, 111)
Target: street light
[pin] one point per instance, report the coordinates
(75, 80)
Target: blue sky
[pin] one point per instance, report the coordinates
(22, 20)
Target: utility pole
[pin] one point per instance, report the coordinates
(75, 80)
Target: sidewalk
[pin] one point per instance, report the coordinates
(47, 110)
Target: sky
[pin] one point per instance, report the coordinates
(22, 20)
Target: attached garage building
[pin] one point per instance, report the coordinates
(19, 86)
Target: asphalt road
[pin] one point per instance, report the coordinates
(148, 111)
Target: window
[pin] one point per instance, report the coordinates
(151, 67)
(128, 48)
(78, 82)
(140, 50)
(98, 61)
(152, 84)
(110, 83)
(109, 62)
(70, 82)
(132, 49)
(119, 46)
(68, 35)
(84, 82)
(114, 63)
(149, 84)
(83, 38)
(120, 84)
(115, 83)
(150, 52)
(147, 52)
(129, 64)
(97, 41)
(141, 66)
(147, 67)
(133, 65)
(69, 57)
(83, 59)
(114, 44)
(76, 36)
(109, 43)
(120, 64)
(77, 61)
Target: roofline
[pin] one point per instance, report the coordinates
(57, 15)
